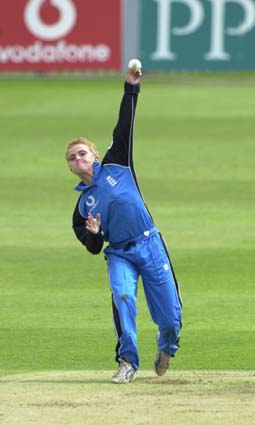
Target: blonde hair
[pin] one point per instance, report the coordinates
(83, 141)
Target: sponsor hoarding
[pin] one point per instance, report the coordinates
(56, 35)
(198, 34)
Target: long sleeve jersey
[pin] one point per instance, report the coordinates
(114, 192)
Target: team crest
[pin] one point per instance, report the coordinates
(90, 202)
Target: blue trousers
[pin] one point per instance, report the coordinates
(146, 257)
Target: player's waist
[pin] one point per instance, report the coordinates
(125, 245)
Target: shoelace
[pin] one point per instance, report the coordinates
(124, 368)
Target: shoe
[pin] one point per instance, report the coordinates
(161, 363)
(125, 374)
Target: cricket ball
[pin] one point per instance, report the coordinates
(134, 65)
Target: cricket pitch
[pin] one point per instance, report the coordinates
(88, 397)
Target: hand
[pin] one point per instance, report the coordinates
(93, 224)
(133, 77)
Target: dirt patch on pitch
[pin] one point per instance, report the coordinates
(89, 397)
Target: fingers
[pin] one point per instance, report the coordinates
(93, 224)
(98, 218)
(134, 77)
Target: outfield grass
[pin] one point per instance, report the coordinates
(194, 156)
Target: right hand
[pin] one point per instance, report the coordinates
(133, 77)
(93, 224)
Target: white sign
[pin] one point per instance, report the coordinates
(219, 30)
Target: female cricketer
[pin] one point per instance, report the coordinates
(111, 209)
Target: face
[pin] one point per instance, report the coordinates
(80, 160)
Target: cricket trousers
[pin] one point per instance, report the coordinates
(145, 256)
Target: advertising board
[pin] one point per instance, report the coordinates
(197, 34)
(55, 35)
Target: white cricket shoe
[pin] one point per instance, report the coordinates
(125, 374)
(161, 363)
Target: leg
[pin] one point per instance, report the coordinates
(117, 328)
(123, 277)
(162, 295)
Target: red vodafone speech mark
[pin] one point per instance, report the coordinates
(49, 13)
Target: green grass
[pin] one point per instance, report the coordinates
(194, 156)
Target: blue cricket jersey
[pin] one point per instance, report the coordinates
(114, 192)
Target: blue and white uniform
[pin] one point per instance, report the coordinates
(135, 247)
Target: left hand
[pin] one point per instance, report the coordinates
(93, 224)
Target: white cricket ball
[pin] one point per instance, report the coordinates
(134, 65)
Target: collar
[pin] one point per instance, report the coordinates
(83, 186)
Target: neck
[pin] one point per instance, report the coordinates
(86, 178)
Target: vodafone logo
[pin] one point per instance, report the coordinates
(45, 31)
(59, 35)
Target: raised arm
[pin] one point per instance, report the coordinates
(121, 149)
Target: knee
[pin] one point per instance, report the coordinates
(126, 305)
(171, 326)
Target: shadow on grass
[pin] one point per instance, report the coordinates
(150, 380)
